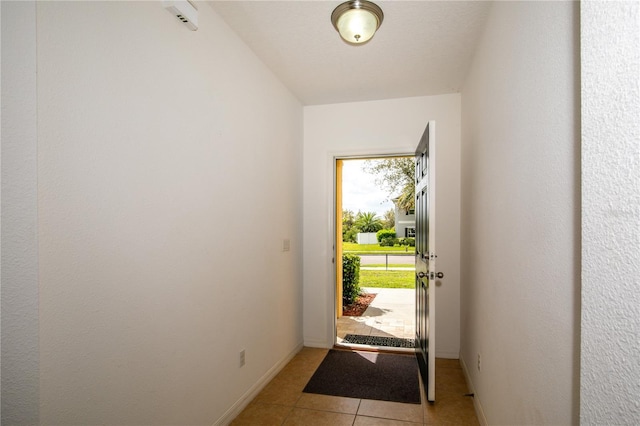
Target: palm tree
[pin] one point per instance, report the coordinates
(368, 222)
(407, 199)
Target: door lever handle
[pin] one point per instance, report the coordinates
(438, 275)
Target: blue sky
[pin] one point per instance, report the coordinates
(360, 192)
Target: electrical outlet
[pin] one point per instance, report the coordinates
(242, 358)
(478, 362)
(286, 244)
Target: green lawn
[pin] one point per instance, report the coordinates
(391, 265)
(369, 248)
(387, 279)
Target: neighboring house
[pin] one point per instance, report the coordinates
(405, 222)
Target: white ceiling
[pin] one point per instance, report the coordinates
(422, 47)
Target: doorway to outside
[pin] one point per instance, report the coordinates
(375, 252)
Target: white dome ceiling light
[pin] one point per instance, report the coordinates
(357, 20)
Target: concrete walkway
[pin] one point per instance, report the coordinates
(398, 258)
(391, 314)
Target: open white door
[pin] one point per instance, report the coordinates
(426, 260)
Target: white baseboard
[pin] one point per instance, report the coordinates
(447, 355)
(248, 396)
(317, 344)
(476, 400)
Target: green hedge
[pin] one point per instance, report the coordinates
(389, 242)
(350, 277)
(384, 234)
(409, 241)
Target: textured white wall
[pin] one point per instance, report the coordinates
(19, 215)
(520, 225)
(148, 135)
(610, 366)
(369, 128)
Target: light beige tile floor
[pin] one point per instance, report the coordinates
(282, 401)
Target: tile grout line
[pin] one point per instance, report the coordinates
(357, 411)
(291, 410)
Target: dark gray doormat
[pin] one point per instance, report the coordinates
(367, 375)
(392, 342)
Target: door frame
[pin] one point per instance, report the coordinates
(335, 225)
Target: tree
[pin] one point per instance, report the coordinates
(348, 219)
(389, 219)
(368, 222)
(349, 230)
(397, 176)
(407, 199)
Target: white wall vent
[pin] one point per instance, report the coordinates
(184, 10)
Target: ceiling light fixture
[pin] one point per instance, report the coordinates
(357, 20)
